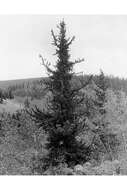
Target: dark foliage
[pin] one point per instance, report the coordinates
(1, 96)
(4, 94)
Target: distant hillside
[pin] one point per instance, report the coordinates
(115, 83)
(5, 84)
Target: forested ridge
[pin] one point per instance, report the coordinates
(115, 83)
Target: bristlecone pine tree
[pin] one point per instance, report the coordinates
(60, 120)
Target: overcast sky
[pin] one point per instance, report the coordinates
(100, 40)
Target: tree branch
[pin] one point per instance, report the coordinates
(55, 39)
(82, 85)
(70, 42)
(79, 60)
(46, 64)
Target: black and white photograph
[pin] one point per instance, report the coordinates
(63, 95)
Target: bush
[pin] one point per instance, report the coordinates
(20, 140)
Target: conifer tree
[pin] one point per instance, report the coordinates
(1, 96)
(102, 85)
(61, 120)
(105, 134)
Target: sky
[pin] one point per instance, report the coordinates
(100, 40)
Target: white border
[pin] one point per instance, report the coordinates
(63, 7)
(63, 182)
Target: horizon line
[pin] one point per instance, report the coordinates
(37, 77)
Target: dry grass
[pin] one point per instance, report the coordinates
(10, 106)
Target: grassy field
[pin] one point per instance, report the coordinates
(10, 106)
(17, 103)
